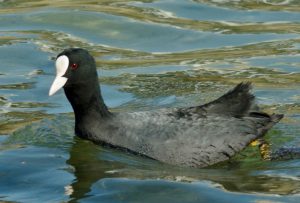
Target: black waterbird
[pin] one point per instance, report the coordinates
(195, 136)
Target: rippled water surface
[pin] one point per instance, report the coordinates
(149, 54)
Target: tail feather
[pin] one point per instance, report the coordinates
(269, 123)
(237, 102)
(240, 102)
(275, 118)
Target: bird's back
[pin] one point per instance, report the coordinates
(195, 136)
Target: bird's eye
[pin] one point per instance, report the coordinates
(74, 66)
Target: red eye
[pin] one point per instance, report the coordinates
(74, 66)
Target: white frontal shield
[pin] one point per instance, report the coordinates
(62, 64)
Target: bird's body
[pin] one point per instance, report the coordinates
(194, 136)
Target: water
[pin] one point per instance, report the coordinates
(150, 54)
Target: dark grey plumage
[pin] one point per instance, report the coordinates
(195, 136)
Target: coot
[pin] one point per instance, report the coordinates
(195, 136)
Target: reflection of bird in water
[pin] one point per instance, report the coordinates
(93, 163)
(88, 168)
(194, 136)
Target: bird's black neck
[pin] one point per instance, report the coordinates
(87, 102)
